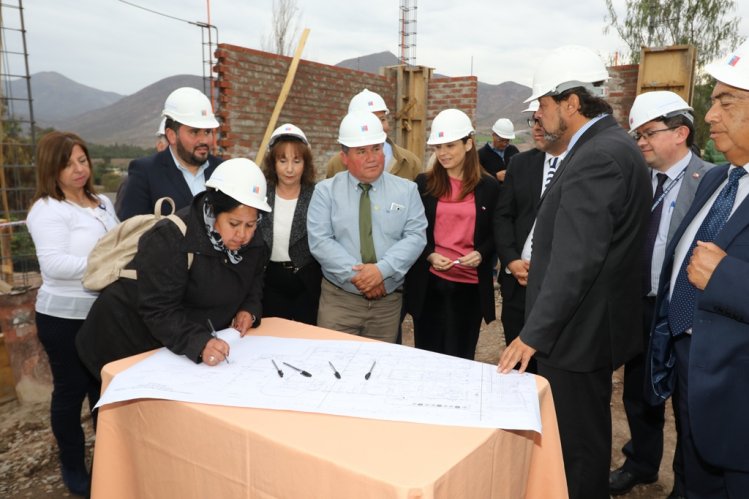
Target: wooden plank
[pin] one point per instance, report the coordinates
(668, 68)
(282, 97)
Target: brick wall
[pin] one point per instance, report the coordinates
(250, 82)
(622, 86)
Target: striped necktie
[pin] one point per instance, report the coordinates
(552, 169)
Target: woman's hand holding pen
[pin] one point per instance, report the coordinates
(440, 262)
(215, 351)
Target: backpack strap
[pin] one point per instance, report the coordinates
(175, 219)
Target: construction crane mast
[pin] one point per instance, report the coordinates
(407, 42)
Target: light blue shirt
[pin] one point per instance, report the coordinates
(196, 183)
(388, 150)
(582, 130)
(398, 228)
(669, 203)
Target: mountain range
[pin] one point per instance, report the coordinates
(107, 118)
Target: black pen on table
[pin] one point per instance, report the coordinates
(300, 371)
(335, 371)
(213, 333)
(366, 376)
(279, 371)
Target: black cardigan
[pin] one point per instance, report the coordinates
(169, 305)
(486, 195)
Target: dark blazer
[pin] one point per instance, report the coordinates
(584, 291)
(492, 162)
(485, 194)
(169, 304)
(516, 211)
(154, 177)
(719, 351)
(309, 270)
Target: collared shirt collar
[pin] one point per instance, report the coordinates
(583, 129)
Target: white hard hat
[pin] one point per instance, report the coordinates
(366, 100)
(190, 107)
(287, 130)
(732, 69)
(449, 125)
(658, 104)
(242, 180)
(568, 67)
(504, 128)
(532, 107)
(361, 128)
(161, 131)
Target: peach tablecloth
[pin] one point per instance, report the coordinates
(163, 449)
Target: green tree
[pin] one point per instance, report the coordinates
(707, 24)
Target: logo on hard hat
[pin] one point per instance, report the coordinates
(364, 128)
(256, 189)
(204, 113)
(370, 103)
(733, 60)
(441, 134)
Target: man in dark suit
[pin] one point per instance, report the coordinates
(702, 310)
(528, 174)
(496, 155)
(180, 171)
(583, 293)
(662, 124)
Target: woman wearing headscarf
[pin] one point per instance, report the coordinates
(173, 303)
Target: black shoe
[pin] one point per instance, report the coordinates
(77, 480)
(622, 481)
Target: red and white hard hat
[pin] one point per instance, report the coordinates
(190, 107)
(657, 104)
(568, 67)
(733, 69)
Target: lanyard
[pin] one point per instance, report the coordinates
(667, 190)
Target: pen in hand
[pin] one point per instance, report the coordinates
(300, 371)
(335, 371)
(279, 371)
(366, 376)
(213, 333)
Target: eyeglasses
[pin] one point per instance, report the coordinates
(649, 134)
(532, 122)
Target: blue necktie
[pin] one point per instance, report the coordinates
(654, 224)
(683, 299)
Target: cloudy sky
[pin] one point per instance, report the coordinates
(114, 46)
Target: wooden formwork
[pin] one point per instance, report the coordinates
(410, 116)
(668, 68)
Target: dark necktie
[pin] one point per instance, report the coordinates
(552, 169)
(683, 299)
(366, 242)
(655, 222)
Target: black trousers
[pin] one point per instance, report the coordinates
(450, 320)
(285, 296)
(513, 312)
(72, 383)
(645, 447)
(703, 481)
(583, 407)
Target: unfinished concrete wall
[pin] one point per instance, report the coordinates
(250, 82)
(622, 86)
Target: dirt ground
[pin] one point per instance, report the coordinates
(28, 463)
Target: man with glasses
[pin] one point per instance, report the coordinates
(662, 124)
(528, 174)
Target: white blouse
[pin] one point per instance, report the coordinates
(283, 216)
(64, 234)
